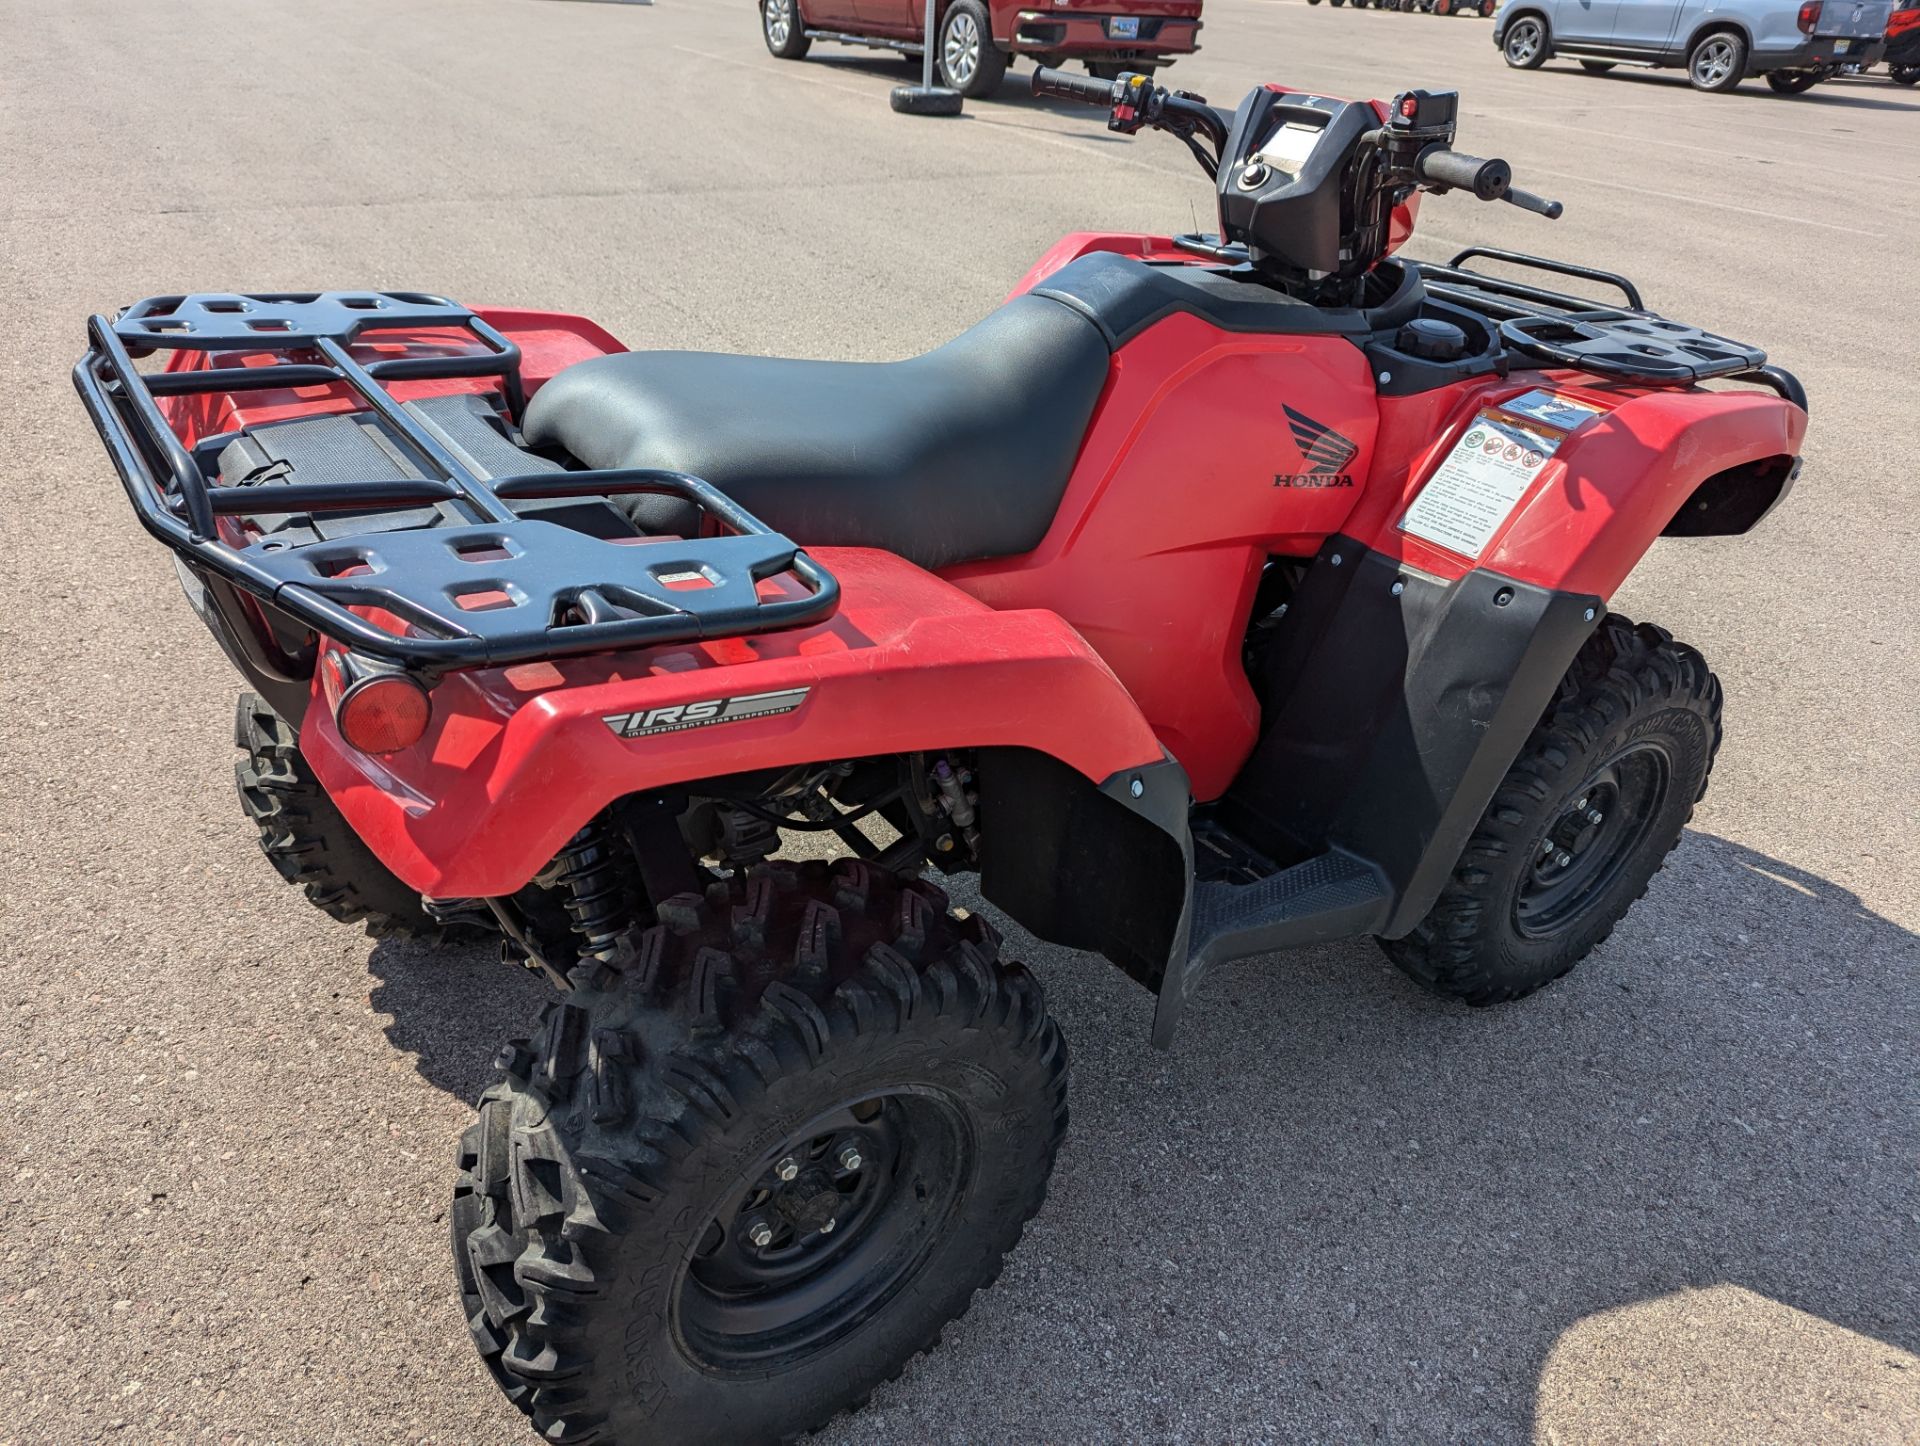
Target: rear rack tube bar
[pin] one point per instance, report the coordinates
(472, 493)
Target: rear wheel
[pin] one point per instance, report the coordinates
(967, 59)
(1717, 62)
(756, 1161)
(1904, 74)
(1525, 43)
(1584, 818)
(783, 29)
(305, 838)
(1792, 82)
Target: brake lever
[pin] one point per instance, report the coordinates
(1539, 205)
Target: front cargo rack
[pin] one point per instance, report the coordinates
(496, 588)
(1627, 342)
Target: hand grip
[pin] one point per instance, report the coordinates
(1488, 180)
(1539, 205)
(1072, 87)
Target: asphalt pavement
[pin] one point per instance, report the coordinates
(1672, 1199)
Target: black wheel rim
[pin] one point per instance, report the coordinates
(822, 1232)
(1591, 840)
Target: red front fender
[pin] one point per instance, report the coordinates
(1618, 482)
(517, 759)
(1612, 487)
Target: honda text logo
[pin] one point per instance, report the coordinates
(1325, 452)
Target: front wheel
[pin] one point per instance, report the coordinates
(756, 1160)
(1718, 63)
(1584, 818)
(1793, 82)
(783, 29)
(1525, 43)
(966, 57)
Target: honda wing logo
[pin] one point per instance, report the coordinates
(678, 717)
(1324, 450)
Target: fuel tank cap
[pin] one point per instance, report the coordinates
(1432, 339)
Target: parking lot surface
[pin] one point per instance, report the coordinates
(1670, 1199)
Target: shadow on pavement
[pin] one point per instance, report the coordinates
(1821, 95)
(1365, 1208)
(1394, 1207)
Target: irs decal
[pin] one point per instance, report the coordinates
(678, 717)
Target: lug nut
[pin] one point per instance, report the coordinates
(1579, 803)
(827, 1229)
(849, 1156)
(787, 1168)
(1562, 859)
(1546, 846)
(1595, 816)
(760, 1233)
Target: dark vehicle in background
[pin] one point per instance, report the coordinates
(1718, 42)
(974, 40)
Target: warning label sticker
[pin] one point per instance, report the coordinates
(1563, 413)
(1473, 492)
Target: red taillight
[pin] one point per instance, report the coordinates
(383, 713)
(1809, 16)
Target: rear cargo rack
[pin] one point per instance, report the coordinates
(502, 587)
(1630, 342)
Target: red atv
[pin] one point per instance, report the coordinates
(1215, 594)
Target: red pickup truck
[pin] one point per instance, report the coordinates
(975, 39)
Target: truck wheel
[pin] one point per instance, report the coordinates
(1525, 43)
(968, 60)
(1793, 82)
(306, 839)
(756, 1161)
(782, 27)
(1582, 821)
(1904, 74)
(1718, 62)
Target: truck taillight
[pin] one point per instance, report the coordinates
(376, 711)
(1809, 16)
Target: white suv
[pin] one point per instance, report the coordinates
(1719, 42)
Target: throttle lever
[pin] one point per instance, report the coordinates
(1539, 205)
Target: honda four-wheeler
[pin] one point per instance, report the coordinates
(1216, 593)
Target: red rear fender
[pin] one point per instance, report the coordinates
(517, 759)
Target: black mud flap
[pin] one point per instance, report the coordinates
(1392, 704)
(1104, 867)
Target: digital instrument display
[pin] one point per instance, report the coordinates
(1289, 146)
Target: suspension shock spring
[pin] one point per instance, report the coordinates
(594, 876)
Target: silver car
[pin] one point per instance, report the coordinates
(1719, 42)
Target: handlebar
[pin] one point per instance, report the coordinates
(1133, 102)
(1490, 180)
(1073, 87)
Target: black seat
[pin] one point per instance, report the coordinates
(956, 455)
